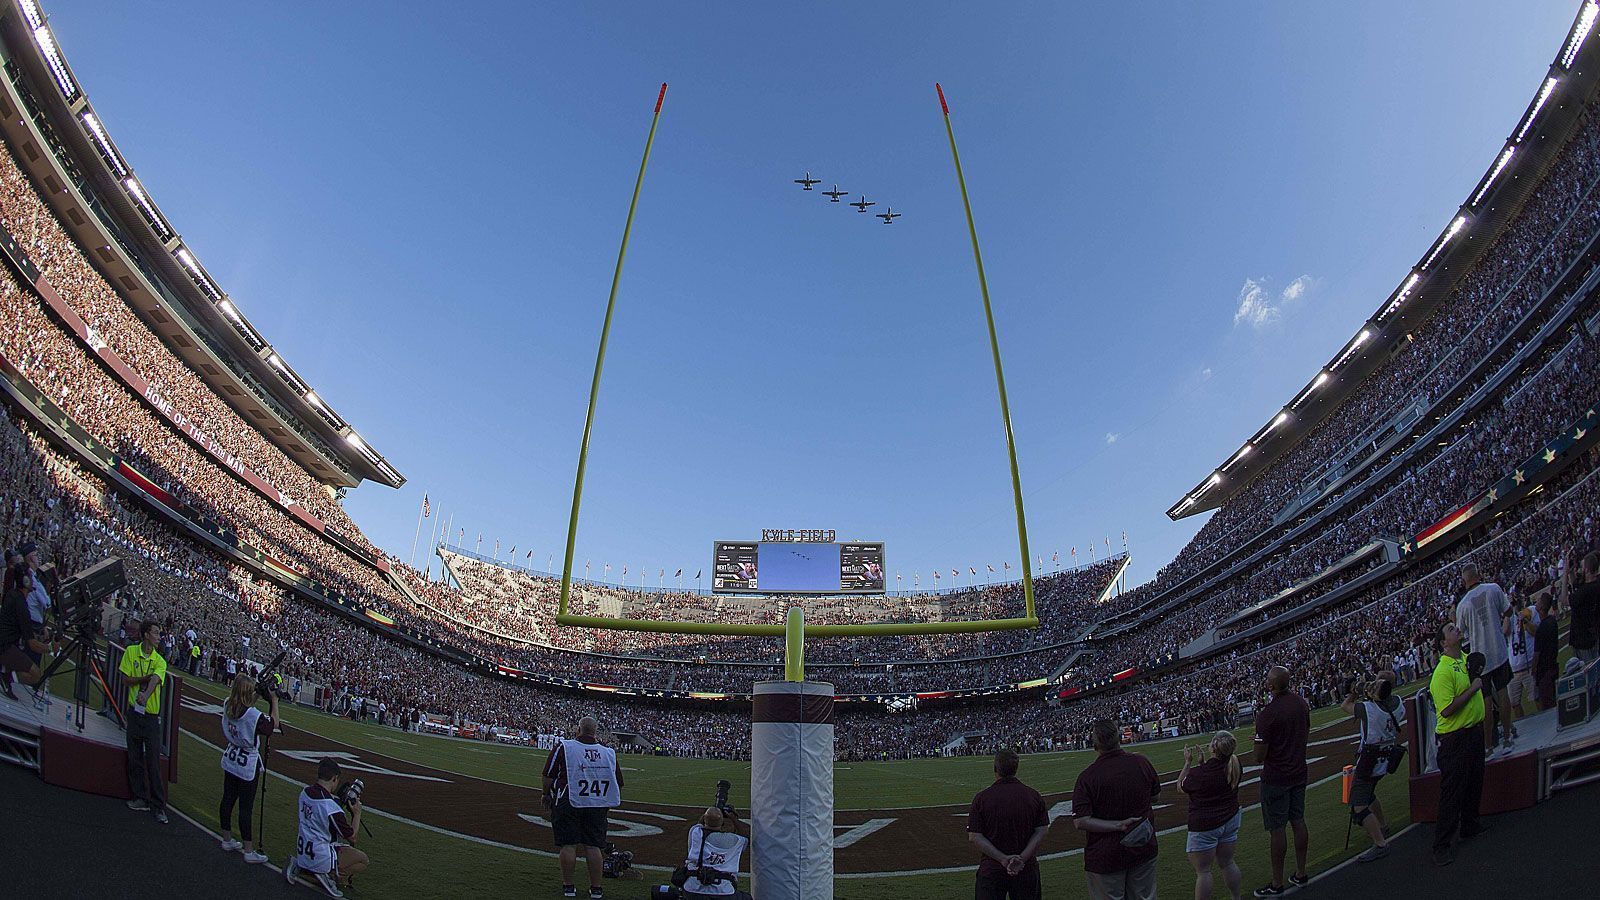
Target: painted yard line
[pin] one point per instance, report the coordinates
(424, 825)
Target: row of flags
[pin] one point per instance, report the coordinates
(661, 574)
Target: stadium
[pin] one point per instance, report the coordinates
(165, 462)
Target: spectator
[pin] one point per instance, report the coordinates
(1584, 632)
(143, 670)
(1112, 804)
(1546, 650)
(1484, 617)
(1524, 625)
(1214, 814)
(19, 648)
(243, 726)
(1457, 696)
(1282, 727)
(1006, 822)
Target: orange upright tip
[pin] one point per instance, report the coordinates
(942, 105)
(661, 96)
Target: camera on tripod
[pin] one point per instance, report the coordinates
(78, 598)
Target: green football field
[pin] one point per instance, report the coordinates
(414, 862)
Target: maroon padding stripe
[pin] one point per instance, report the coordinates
(807, 709)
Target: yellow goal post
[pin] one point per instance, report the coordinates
(794, 630)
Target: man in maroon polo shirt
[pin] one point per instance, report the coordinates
(1282, 727)
(1007, 822)
(1114, 796)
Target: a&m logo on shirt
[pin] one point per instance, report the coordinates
(591, 755)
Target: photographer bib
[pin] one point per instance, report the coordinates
(719, 851)
(314, 848)
(240, 759)
(591, 774)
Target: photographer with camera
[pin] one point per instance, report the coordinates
(325, 848)
(243, 726)
(21, 643)
(1457, 689)
(581, 782)
(1380, 716)
(143, 670)
(716, 844)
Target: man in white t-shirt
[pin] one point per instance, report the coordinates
(716, 844)
(1524, 622)
(1484, 618)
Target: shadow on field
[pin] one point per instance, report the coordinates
(62, 843)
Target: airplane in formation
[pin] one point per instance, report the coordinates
(833, 196)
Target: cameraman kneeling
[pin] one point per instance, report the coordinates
(324, 849)
(716, 843)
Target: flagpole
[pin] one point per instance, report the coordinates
(600, 360)
(417, 534)
(432, 534)
(999, 373)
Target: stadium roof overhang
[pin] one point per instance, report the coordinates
(99, 198)
(1514, 171)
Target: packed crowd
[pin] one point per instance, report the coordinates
(1554, 227)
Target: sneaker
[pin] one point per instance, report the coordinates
(1376, 851)
(291, 872)
(1445, 857)
(161, 816)
(1271, 890)
(596, 893)
(231, 845)
(138, 804)
(328, 884)
(568, 890)
(254, 857)
(1299, 881)
(1468, 834)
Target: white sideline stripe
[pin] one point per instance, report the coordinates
(423, 825)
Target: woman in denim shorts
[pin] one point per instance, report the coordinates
(1213, 789)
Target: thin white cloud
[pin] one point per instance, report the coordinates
(1112, 437)
(1206, 373)
(1257, 307)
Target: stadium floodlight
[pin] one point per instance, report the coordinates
(1533, 111)
(98, 133)
(1350, 351)
(1494, 174)
(30, 9)
(354, 440)
(1580, 31)
(1444, 239)
(1243, 452)
(136, 191)
(1400, 296)
(52, 58)
(795, 629)
(197, 274)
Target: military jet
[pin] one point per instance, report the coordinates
(889, 217)
(806, 182)
(835, 194)
(862, 204)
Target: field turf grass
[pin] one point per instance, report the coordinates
(414, 862)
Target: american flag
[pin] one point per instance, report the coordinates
(425, 506)
(678, 574)
(989, 567)
(972, 570)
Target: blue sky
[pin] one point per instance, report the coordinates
(420, 206)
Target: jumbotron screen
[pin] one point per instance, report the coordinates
(761, 567)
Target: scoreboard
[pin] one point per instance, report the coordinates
(795, 567)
